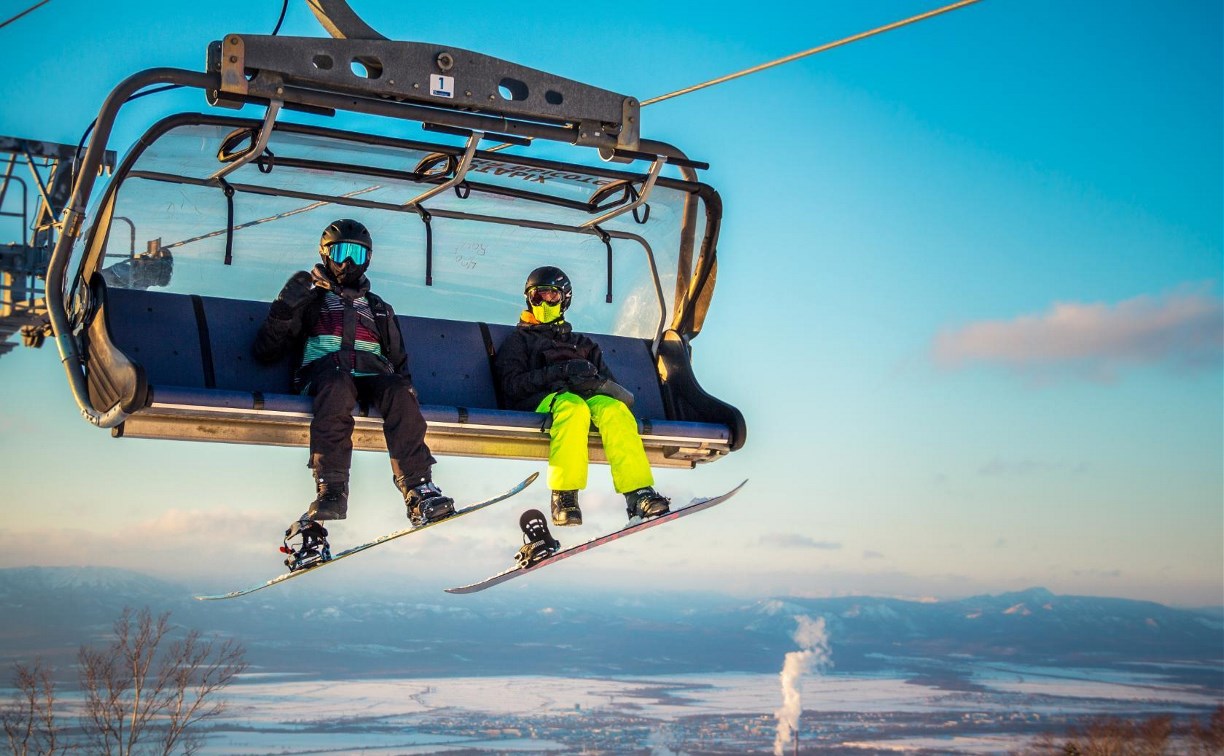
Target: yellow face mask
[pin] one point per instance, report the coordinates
(546, 313)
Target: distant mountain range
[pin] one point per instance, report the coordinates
(291, 628)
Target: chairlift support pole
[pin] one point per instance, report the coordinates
(23, 260)
(4, 184)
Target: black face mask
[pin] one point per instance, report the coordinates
(346, 274)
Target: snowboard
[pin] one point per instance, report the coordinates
(377, 542)
(633, 526)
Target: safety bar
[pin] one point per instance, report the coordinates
(651, 177)
(460, 172)
(260, 142)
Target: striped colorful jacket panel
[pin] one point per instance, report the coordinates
(327, 336)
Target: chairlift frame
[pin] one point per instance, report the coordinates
(284, 74)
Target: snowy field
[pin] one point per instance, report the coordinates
(676, 714)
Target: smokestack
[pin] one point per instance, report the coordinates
(811, 637)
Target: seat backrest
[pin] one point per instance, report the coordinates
(232, 325)
(205, 342)
(635, 369)
(159, 331)
(448, 362)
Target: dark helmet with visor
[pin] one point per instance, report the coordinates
(543, 282)
(346, 248)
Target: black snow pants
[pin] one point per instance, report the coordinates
(335, 393)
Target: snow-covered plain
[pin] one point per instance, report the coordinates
(554, 714)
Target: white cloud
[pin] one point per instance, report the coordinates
(796, 541)
(1181, 329)
(175, 543)
(999, 467)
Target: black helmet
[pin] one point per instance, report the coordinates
(348, 270)
(554, 277)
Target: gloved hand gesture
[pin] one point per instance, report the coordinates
(586, 384)
(572, 371)
(297, 293)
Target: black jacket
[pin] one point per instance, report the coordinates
(286, 329)
(524, 357)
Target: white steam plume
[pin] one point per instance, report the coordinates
(814, 642)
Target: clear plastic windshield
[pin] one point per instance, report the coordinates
(509, 216)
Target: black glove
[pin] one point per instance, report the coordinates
(297, 293)
(570, 371)
(586, 386)
(584, 379)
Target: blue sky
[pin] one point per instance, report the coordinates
(969, 301)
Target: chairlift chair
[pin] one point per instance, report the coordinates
(225, 208)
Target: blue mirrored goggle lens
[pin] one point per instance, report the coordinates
(341, 251)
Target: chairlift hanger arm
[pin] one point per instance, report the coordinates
(341, 21)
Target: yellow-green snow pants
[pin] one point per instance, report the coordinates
(567, 450)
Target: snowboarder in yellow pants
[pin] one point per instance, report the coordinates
(567, 451)
(544, 366)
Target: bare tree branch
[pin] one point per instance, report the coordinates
(145, 695)
(29, 718)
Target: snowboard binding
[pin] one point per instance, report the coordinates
(538, 543)
(306, 545)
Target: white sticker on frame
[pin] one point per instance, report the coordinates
(442, 86)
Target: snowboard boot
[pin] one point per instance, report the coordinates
(646, 503)
(538, 543)
(424, 501)
(565, 509)
(331, 500)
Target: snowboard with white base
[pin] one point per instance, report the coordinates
(377, 542)
(633, 526)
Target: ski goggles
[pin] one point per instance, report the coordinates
(544, 294)
(340, 252)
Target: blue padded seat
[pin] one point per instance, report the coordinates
(204, 384)
(162, 335)
(232, 325)
(448, 362)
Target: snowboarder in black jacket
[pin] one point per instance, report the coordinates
(349, 347)
(544, 366)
